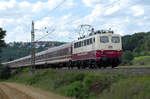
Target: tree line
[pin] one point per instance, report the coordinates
(137, 44)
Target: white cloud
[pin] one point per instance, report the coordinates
(51, 4)
(64, 34)
(16, 16)
(137, 10)
(24, 4)
(98, 10)
(91, 3)
(45, 22)
(112, 10)
(92, 17)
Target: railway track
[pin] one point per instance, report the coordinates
(143, 70)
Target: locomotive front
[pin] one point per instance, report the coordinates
(108, 49)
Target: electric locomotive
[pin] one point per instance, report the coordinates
(100, 49)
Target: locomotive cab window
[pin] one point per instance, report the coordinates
(115, 39)
(104, 39)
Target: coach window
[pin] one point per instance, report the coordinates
(84, 42)
(115, 39)
(104, 39)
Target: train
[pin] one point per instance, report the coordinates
(98, 49)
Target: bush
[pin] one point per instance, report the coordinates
(76, 90)
(134, 87)
(5, 72)
(76, 85)
(127, 57)
(27, 69)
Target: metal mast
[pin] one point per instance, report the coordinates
(33, 47)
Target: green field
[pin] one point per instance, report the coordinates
(87, 85)
(141, 60)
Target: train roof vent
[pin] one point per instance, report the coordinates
(104, 31)
(97, 32)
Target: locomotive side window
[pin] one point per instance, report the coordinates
(104, 39)
(75, 45)
(79, 44)
(115, 39)
(88, 41)
(84, 42)
(93, 39)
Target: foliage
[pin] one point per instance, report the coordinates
(5, 72)
(88, 85)
(75, 90)
(2, 35)
(28, 69)
(141, 60)
(134, 87)
(135, 45)
(78, 85)
(127, 57)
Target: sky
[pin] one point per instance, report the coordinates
(62, 18)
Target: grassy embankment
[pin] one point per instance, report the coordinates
(138, 62)
(88, 85)
(142, 60)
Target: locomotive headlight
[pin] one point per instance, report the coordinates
(102, 51)
(118, 51)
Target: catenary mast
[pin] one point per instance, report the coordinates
(33, 47)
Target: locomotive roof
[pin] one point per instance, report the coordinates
(104, 34)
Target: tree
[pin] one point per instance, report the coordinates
(2, 35)
(127, 57)
(2, 42)
(4, 70)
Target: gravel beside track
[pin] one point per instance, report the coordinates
(109, 70)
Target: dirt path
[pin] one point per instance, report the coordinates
(18, 91)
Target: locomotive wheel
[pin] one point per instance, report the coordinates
(92, 66)
(115, 65)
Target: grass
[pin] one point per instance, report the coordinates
(135, 66)
(141, 60)
(87, 85)
(137, 87)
